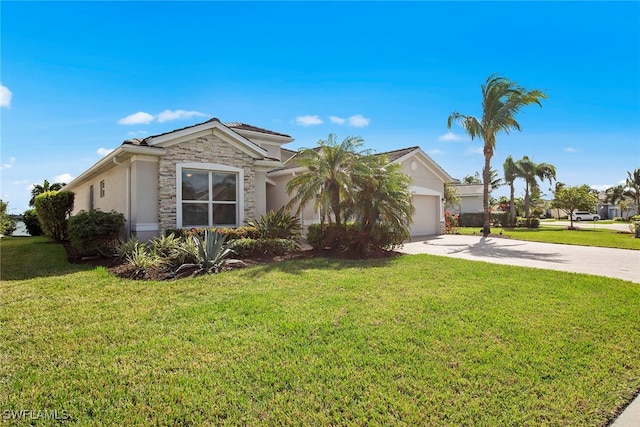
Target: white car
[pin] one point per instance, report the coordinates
(585, 216)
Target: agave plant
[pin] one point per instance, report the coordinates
(211, 254)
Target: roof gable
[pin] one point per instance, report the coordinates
(212, 126)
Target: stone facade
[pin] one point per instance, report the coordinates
(209, 149)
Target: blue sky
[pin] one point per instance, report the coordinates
(79, 78)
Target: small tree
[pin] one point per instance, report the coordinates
(451, 198)
(54, 208)
(571, 199)
(44, 188)
(7, 224)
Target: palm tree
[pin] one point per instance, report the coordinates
(328, 176)
(511, 172)
(45, 187)
(633, 187)
(381, 196)
(531, 172)
(501, 100)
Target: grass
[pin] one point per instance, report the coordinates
(412, 340)
(585, 236)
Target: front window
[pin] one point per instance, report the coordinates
(209, 198)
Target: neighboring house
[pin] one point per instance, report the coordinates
(611, 211)
(470, 198)
(215, 174)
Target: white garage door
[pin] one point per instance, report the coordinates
(426, 219)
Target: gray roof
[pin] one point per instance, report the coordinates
(231, 125)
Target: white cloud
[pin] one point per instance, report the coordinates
(168, 115)
(308, 120)
(450, 136)
(136, 119)
(103, 151)
(600, 187)
(65, 177)
(359, 121)
(338, 120)
(5, 96)
(435, 151)
(9, 165)
(570, 150)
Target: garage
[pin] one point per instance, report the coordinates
(426, 219)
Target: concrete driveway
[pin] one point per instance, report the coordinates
(618, 263)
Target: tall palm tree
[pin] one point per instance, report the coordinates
(45, 187)
(531, 172)
(511, 172)
(502, 99)
(633, 187)
(328, 176)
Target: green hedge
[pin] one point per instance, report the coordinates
(247, 248)
(353, 239)
(54, 208)
(31, 221)
(95, 232)
(498, 219)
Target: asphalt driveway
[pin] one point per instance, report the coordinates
(618, 263)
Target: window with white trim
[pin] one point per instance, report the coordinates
(209, 198)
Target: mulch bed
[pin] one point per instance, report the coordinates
(123, 269)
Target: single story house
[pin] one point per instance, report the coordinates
(470, 198)
(222, 174)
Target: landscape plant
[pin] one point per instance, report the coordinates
(212, 253)
(531, 172)
(7, 224)
(502, 99)
(53, 209)
(277, 225)
(574, 198)
(44, 188)
(32, 223)
(95, 232)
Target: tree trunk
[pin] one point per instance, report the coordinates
(486, 175)
(512, 207)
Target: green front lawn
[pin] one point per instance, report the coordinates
(585, 236)
(411, 340)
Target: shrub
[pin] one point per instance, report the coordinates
(7, 224)
(95, 232)
(167, 246)
(451, 222)
(54, 208)
(277, 225)
(528, 222)
(246, 248)
(472, 219)
(126, 248)
(30, 218)
(354, 239)
(141, 258)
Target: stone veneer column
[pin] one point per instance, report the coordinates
(209, 149)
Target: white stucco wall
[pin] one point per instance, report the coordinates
(114, 197)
